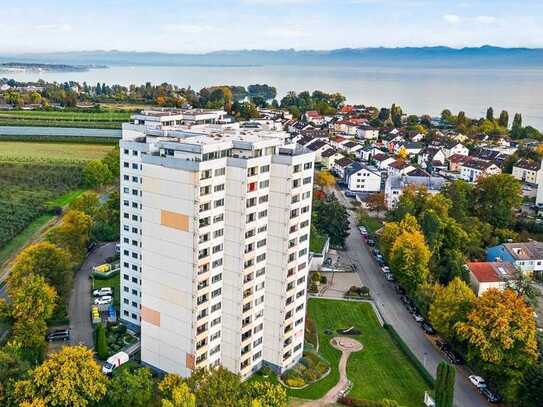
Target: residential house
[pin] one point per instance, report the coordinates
(382, 160)
(411, 148)
(527, 170)
(473, 169)
(318, 146)
(367, 132)
(526, 256)
(486, 275)
(368, 151)
(453, 147)
(351, 147)
(429, 155)
(329, 157)
(361, 178)
(399, 167)
(298, 127)
(314, 117)
(418, 172)
(348, 127)
(395, 185)
(340, 166)
(456, 160)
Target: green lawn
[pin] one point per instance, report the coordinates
(113, 282)
(316, 243)
(66, 198)
(379, 371)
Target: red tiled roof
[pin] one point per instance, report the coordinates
(483, 272)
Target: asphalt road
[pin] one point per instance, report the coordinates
(80, 302)
(394, 313)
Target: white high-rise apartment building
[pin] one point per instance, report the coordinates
(214, 242)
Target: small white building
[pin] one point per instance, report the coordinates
(382, 160)
(360, 178)
(340, 166)
(367, 132)
(399, 167)
(473, 169)
(329, 157)
(395, 185)
(368, 151)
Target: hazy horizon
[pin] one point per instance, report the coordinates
(190, 26)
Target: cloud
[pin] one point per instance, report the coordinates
(287, 32)
(485, 19)
(185, 28)
(54, 28)
(451, 18)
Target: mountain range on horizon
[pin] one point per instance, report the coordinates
(436, 56)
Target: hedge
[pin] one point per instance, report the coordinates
(410, 355)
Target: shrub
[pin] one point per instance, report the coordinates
(101, 342)
(316, 277)
(313, 288)
(364, 291)
(295, 382)
(324, 280)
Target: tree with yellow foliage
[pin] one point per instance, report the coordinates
(32, 304)
(72, 234)
(181, 397)
(451, 305)
(392, 230)
(69, 378)
(324, 179)
(409, 259)
(501, 334)
(402, 153)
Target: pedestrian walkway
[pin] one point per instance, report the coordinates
(346, 345)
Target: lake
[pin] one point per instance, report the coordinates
(416, 90)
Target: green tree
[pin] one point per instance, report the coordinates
(503, 121)
(96, 174)
(215, 387)
(72, 234)
(12, 368)
(451, 305)
(446, 116)
(531, 387)
(88, 203)
(444, 388)
(129, 388)
(101, 342)
(516, 127)
(113, 161)
(497, 197)
(409, 259)
(68, 378)
(490, 114)
(331, 218)
(462, 194)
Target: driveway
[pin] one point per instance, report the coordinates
(80, 302)
(395, 314)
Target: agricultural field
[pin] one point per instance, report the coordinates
(37, 178)
(32, 151)
(102, 120)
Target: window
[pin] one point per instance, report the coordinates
(252, 171)
(307, 180)
(218, 188)
(219, 203)
(205, 190)
(220, 171)
(216, 263)
(297, 168)
(218, 218)
(308, 166)
(262, 199)
(261, 257)
(262, 214)
(265, 168)
(251, 186)
(264, 184)
(205, 174)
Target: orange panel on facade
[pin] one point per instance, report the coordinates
(150, 315)
(190, 362)
(174, 220)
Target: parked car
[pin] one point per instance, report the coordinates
(91, 246)
(100, 292)
(371, 242)
(385, 269)
(389, 277)
(404, 299)
(429, 329)
(417, 317)
(477, 381)
(453, 357)
(399, 290)
(363, 231)
(58, 335)
(380, 259)
(105, 300)
(490, 395)
(441, 344)
(375, 252)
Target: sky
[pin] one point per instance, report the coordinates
(208, 25)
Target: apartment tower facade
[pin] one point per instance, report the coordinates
(215, 224)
